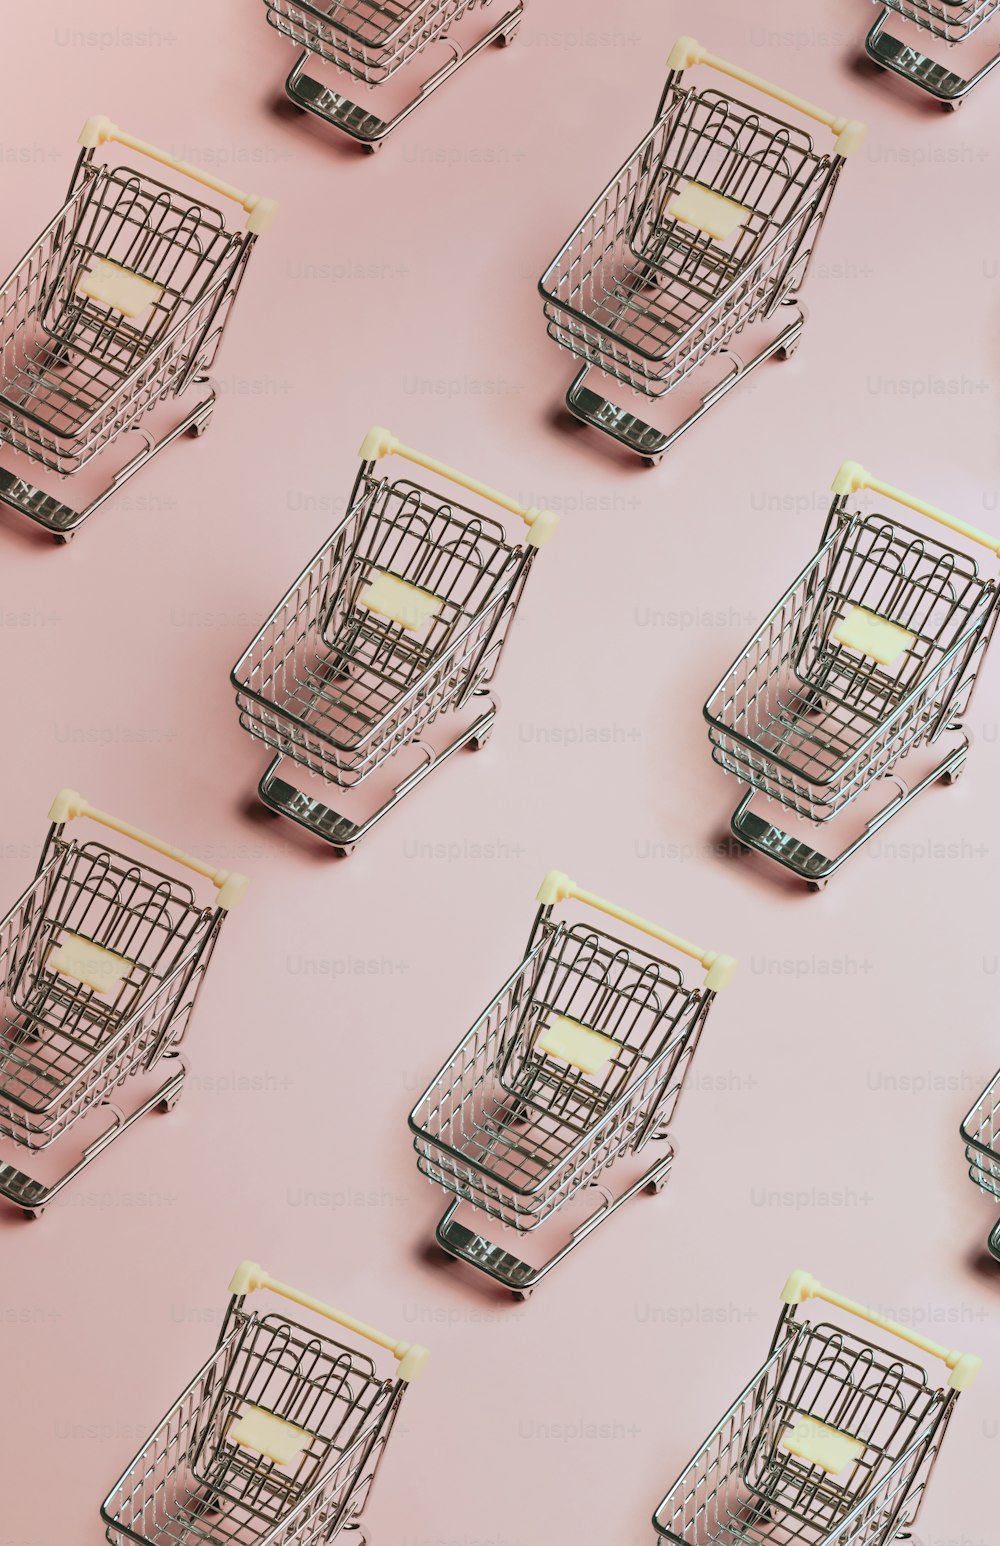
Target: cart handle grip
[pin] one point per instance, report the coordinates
(557, 887)
(850, 133)
(964, 1367)
(852, 477)
(231, 886)
(411, 1357)
(381, 442)
(261, 211)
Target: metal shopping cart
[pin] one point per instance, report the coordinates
(831, 1444)
(120, 304)
(981, 1135)
(708, 227)
(375, 44)
(400, 619)
(278, 1438)
(951, 21)
(871, 655)
(101, 961)
(577, 1063)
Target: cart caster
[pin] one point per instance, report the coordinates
(169, 1102)
(477, 742)
(818, 885)
(654, 1188)
(33, 1213)
(506, 38)
(949, 107)
(344, 850)
(522, 1293)
(372, 147)
(198, 429)
(953, 774)
(652, 461)
(787, 350)
(61, 538)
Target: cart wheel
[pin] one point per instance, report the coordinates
(479, 741)
(344, 850)
(197, 430)
(818, 885)
(787, 350)
(506, 38)
(652, 461)
(951, 107)
(169, 1102)
(61, 538)
(372, 147)
(953, 774)
(522, 1293)
(34, 1213)
(655, 1187)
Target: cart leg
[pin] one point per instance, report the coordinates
(944, 85)
(365, 127)
(32, 1197)
(763, 837)
(641, 438)
(62, 520)
(340, 832)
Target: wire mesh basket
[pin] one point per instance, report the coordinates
(578, 1061)
(119, 304)
(953, 22)
(278, 1438)
(831, 1444)
(871, 655)
(372, 43)
(399, 621)
(708, 227)
(101, 961)
(981, 1136)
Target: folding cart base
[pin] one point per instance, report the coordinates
(520, 1276)
(937, 80)
(808, 863)
(63, 520)
(642, 438)
(33, 1197)
(341, 832)
(367, 128)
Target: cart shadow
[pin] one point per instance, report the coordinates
(601, 450)
(984, 1266)
(285, 112)
(728, 852)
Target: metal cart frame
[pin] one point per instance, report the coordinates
(953, 21)
(340, 678)
(981, 1136)
(520, 1119)
(831, 1444)
(812, 718)
(659, 278)
(86, 354)
(275, 1442)
(348, 34)
(101, 961)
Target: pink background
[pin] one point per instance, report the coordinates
(863, 1022)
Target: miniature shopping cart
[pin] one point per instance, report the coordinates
(949, 21)
(399, 620)
(102, 959)
(981, 1135)
(871, 655)
(832, 1442)
(708, 227)
(278, 1437)
(376, 43)
(577, 1063)
(120, 304)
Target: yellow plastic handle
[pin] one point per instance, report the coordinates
(411, 1357)
(231, 886)
(557, 887)
(381, 442)
(261, 211)
(852, 477)
(964, 1367)
(850, 133)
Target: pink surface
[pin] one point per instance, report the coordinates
(822, 1127)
